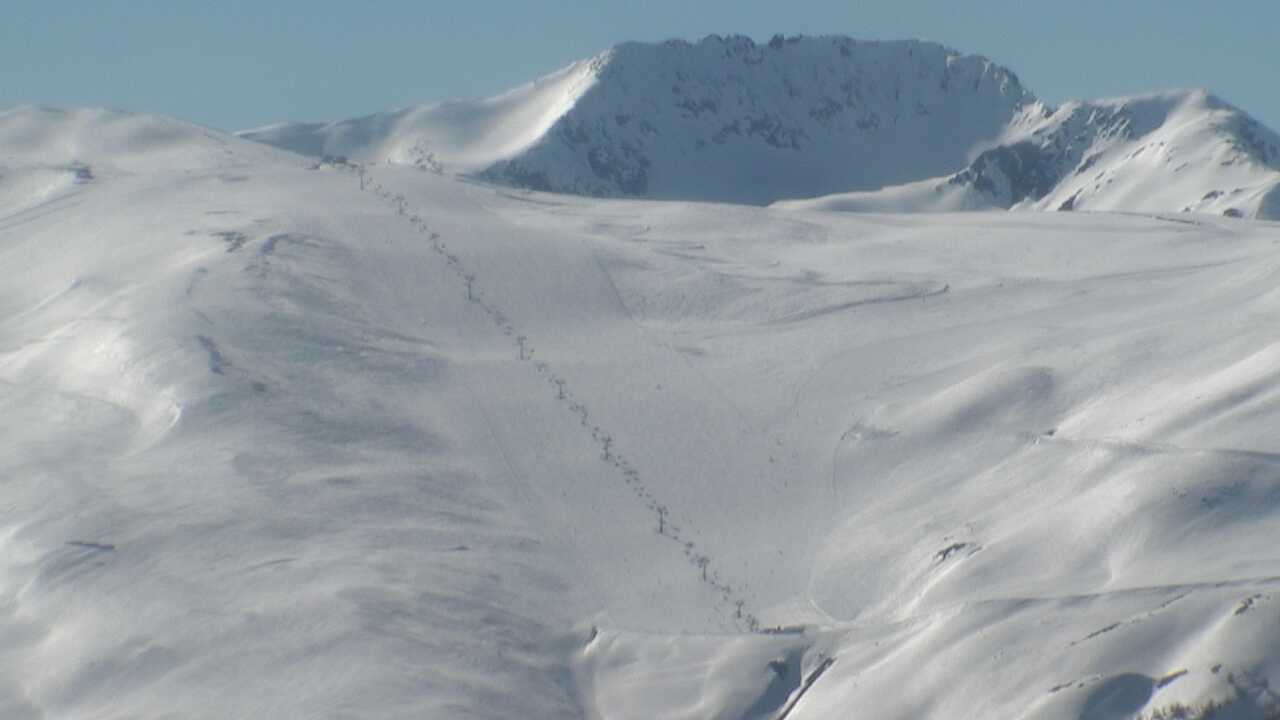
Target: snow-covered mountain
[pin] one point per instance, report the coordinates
(723, 119)
(284, 439)
(883, 126)
(1170, 152)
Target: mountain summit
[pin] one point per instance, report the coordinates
(722, 119)
(897, 126)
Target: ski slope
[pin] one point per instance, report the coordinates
(286, 440)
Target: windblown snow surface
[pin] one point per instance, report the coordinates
(285, 441)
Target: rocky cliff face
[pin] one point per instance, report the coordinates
(729, 119)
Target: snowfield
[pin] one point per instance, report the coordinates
(297, 439)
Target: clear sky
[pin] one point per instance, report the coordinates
(234, 64)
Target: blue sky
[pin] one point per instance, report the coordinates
(235, 64)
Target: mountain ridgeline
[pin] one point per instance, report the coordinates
(830, 122)
(1184, 151)
(733, 120)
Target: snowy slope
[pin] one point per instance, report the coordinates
(722, 119)
(1171, 152)
(280, 445)
(47, 153)
(237, 480)
(460, 136)
(113, 142)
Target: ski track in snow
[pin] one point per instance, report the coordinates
(732, 603)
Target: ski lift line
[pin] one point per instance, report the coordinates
(728, 599)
